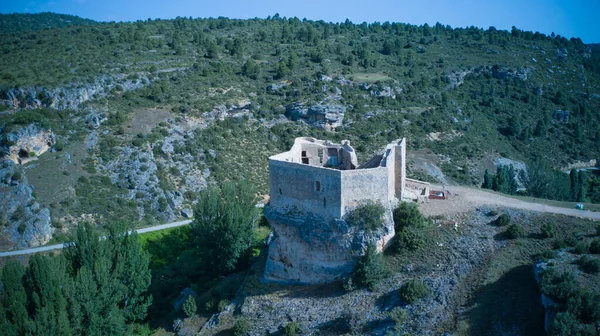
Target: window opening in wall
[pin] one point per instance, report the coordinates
(320, 154)
(303, 153)
(318, 185)
(324, 202)
(305, 160)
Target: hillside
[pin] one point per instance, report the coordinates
(17, 23)
(105, 127)
(144, 115)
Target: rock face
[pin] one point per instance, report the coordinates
(327, 116)
(70, 96)
(28, 142)
(309, 249)
(25, 223)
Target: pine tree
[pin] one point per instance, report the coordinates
(14, 300)
(574, 184)
(370, 268)
(223, 225)
(487, 180)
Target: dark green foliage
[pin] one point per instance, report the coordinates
(14, 318)
(223, 223)
(487, 180)
(97, 286)
(370, 268)
(13, 23)
(504, 181)
(241, 327)
(409, 239)
(21, 228)
(563, 243)
(598, 230)
(589, 264)
(595, 246)
(291, 329)
(189, 306)
(413, 290)
(368, 216)
(409, 224)
(577, 307)
(581, 248)
(548, 229)
(503, 220)
(515, 231)
(544, 182)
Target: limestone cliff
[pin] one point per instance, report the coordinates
(309, 249)
(28, 142)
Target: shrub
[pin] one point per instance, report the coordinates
(589, 264)
(515, 231)
(222, 305)
(595, 246)
(18, 214)
(548, 229)
(503, 220)
(409, 239)
(291, 329)
(189, 306)
(413, 290)
(598, 230)
(398, 315)
(240, 327)
(22, 227)
(370, 268)
(563, 243)
(17, 176)
(348, 284)
(408, 215)
(581, 248)
(368, 216)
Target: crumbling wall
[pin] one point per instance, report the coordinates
(294, 188)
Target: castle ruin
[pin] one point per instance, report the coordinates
(313, 187)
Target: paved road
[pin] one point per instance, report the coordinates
(470, 198)
(60, 246)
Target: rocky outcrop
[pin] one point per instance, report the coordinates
(26, 143)
(327, 116)
(561, 116)
(26, 224)
(73, 95)
(498, 72)
(309, 249)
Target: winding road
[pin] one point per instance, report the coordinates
(60, 246)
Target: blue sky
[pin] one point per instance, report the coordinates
(569, 18)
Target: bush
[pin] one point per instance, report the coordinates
(589, 264)
(368, 216)
(595, 246)
(22, 227)
(581, 248)
(291, 329)
(189, 306)
(17, 176)
(222, 305)
(240, 327)
(413, 290)
(370, 268)
(409, 239)
(548, 229)
(563, 243)
(503, 220)
(398, 315)
(515, 231)
(408, 215)
(598, 230)
(18, 214)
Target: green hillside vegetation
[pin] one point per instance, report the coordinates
(17, 23)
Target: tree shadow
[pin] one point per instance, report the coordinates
(389, 300)
(511, 305)
(500, 236)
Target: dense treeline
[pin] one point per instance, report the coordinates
(96, 286)
(544, 182)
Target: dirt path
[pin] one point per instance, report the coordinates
(465, 199)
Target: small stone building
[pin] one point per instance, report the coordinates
(313, 187)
